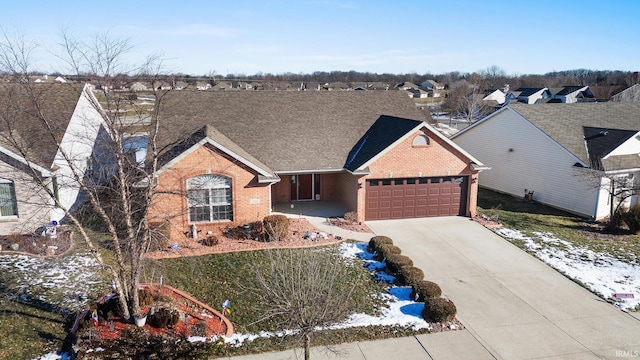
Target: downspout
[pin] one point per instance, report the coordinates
(596, 205)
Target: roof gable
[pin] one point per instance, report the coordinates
(600, 142)
(208, 134)
(382, 134)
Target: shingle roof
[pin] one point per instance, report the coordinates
(384, 132)
(528, 91)
(286, 131)
(565, 123)
(21, 118)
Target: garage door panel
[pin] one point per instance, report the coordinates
(415, 197)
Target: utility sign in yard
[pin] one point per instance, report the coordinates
(622, 296)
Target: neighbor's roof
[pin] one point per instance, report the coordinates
(566, 124)
(23, 107)
(285, 131)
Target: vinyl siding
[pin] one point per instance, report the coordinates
(522, 157)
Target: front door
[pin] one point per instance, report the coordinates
(302, 187)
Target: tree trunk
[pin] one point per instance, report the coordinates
(307, 346)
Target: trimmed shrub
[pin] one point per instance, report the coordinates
(164, 318)
(410, 274)
(424, 290)
(276, 227)
(439, 310)
(376, 241)
(351, 217)
(145, 297)
(385, 250)
(199, 329)
(210, 241)
(632, 219)
(396, 261)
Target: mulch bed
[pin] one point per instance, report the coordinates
(349, 225)
(301, 234)
(36, 244)
(115, 335)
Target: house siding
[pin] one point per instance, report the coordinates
(33, 202)
(77, 144)
(436, 159)
(522, 157)
(251, 200)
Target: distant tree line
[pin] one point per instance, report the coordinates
(493, 77)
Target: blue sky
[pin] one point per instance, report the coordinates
(302, 36)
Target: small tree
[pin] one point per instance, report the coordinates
(114, 201)
(304, 290)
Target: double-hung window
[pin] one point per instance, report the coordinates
(8, 203)
(209, 198)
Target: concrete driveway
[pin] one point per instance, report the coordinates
(512, 304)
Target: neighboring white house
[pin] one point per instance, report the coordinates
(566, 154)
(431, 85)
(531, 95)
(496, 95)
(34, 169)
(573, 94)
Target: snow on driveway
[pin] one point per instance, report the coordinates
(600, 272)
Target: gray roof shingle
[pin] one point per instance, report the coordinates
(22, 111)
(286, 131)
(565, 123)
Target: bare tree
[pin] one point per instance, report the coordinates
(621, 190)
(112, 197)
(494, 76)
(304, 290)
(465, 99)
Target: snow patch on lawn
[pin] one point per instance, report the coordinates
(65, 282)
(600, 272)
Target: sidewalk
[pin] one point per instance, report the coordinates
(447, 345)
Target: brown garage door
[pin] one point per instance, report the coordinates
(416, 197)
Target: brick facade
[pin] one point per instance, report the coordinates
(251, 200)
(406, 160)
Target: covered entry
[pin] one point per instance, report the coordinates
(402, 198)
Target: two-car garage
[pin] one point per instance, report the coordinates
(401, 198)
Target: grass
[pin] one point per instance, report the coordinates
(516, 214)
(39, 327)
(215, 278)
(29, 331)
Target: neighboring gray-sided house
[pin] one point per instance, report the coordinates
(30, 157)
(568, 154)
(631, 94)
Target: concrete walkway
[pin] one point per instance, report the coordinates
(513, 305)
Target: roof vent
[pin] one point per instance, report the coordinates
(604, 133)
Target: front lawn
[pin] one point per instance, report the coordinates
(43, 289)
(516, 214)
(605, 261)
(218, 277)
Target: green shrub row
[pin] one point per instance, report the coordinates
(439, 310)
(376, 241)
(435, 308)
